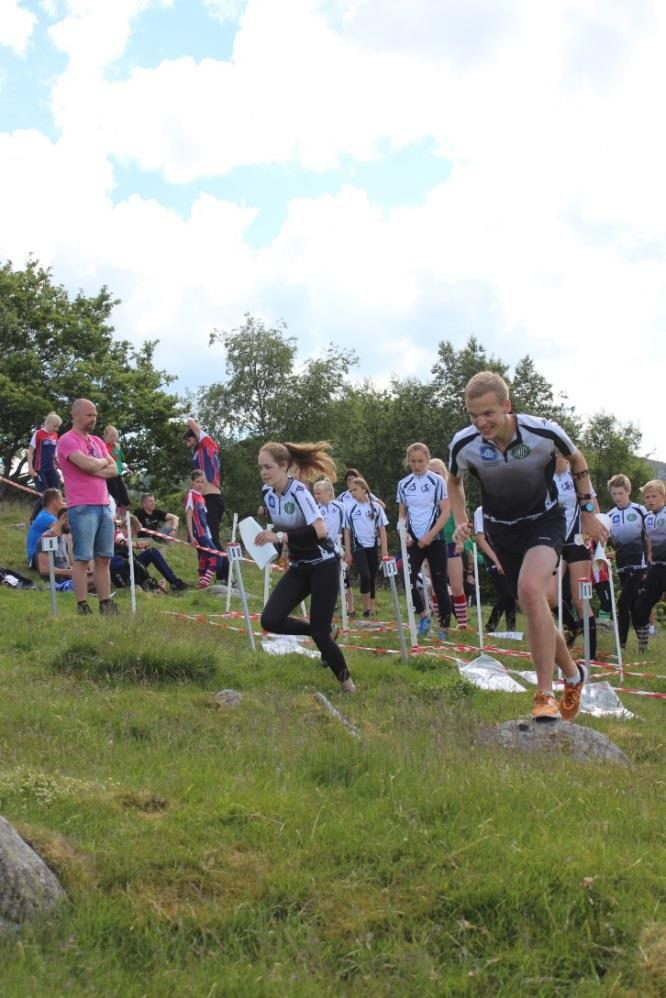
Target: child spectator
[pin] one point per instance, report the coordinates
(62, 556)
(42, 459)
(198, 531)
(52, 503)
(116, 486)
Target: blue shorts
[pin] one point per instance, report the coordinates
(92, 532)
(451, 550)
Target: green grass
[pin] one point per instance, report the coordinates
(261, 850)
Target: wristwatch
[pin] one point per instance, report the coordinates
(587, 507)
(281, 536)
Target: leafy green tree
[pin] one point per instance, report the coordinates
(56, 348)
(611, 448)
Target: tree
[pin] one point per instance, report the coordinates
(54, 348)
(534, 394)
(611, 448)
(451, 372)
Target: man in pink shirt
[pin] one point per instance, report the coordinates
(86, 464)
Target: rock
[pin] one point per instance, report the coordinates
(556, 737)
(228, 698)
(27, 887)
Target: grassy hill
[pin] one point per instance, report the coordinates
(262, 850)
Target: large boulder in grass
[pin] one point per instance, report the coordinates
(27, 887)
(554, 737)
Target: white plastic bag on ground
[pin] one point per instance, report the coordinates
(601, 700)
(489, 674)
(287, 644)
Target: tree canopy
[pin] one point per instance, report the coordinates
(56, 348)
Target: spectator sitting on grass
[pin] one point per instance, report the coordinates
(152, 518)
(52, 503)
(62, 557)
(144, 553)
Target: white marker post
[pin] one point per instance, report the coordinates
(616, 630)
(267, 574)
(390, 570)
(343, 598)
(130, 549)
(585, 595)
(230, 577)
(477, 590)
(235, 553)
(559, 596)
(49, 545)
(402, 532)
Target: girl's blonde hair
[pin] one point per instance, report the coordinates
(657, 484)
(416, 446)
(324, 483)
(310, 459)
(109, 429)
(54, 417)
(439, 467)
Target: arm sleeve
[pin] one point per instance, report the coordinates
(478, 520)
(307, 505)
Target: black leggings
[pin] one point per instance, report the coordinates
(655, 587)
(630, 582)
(366, 561)
(214, 513)
(435, 553)
(504, 604)
(320, 582)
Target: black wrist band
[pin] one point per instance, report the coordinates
(302, 536)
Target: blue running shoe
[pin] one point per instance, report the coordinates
(424, 627)
(443, 635)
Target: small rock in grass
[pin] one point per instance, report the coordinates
(228, 698)
(556, 737)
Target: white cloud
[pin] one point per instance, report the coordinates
(548, 237)
(16, 26)
(225, 11)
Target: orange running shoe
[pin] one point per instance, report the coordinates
(570, 700)
(545, 707)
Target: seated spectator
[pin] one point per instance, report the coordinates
(145, 554)
(152, 518)
(62, 557)
(52, 503)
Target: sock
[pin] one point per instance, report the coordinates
(578, 678)
(642, 633)
(460, 610)
(205, 579)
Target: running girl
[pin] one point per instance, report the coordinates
(365, 524)
(424, 508)
(313, 561)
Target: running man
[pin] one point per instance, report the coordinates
(513, 458)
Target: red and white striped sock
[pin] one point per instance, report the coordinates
(460, 610)
(206, 579)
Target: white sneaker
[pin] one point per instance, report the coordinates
(348, 686)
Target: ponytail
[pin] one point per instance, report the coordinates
(311, 460)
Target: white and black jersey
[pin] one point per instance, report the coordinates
(516, 484)
(364, 520)
(346, 497)
(295, 508)
(568, 500)
(627, 535)
(655, 527)
(421, 496)
(333, 515)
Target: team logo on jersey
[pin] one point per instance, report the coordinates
(520, 451)
(426, 487)
(412, 487)
(631, 517)
(289, 507)
(488, 453)
(271, 500)
(660, 522)
(616, 518)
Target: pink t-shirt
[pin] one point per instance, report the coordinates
(82, 489)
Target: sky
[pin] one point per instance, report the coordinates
(379, 175)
